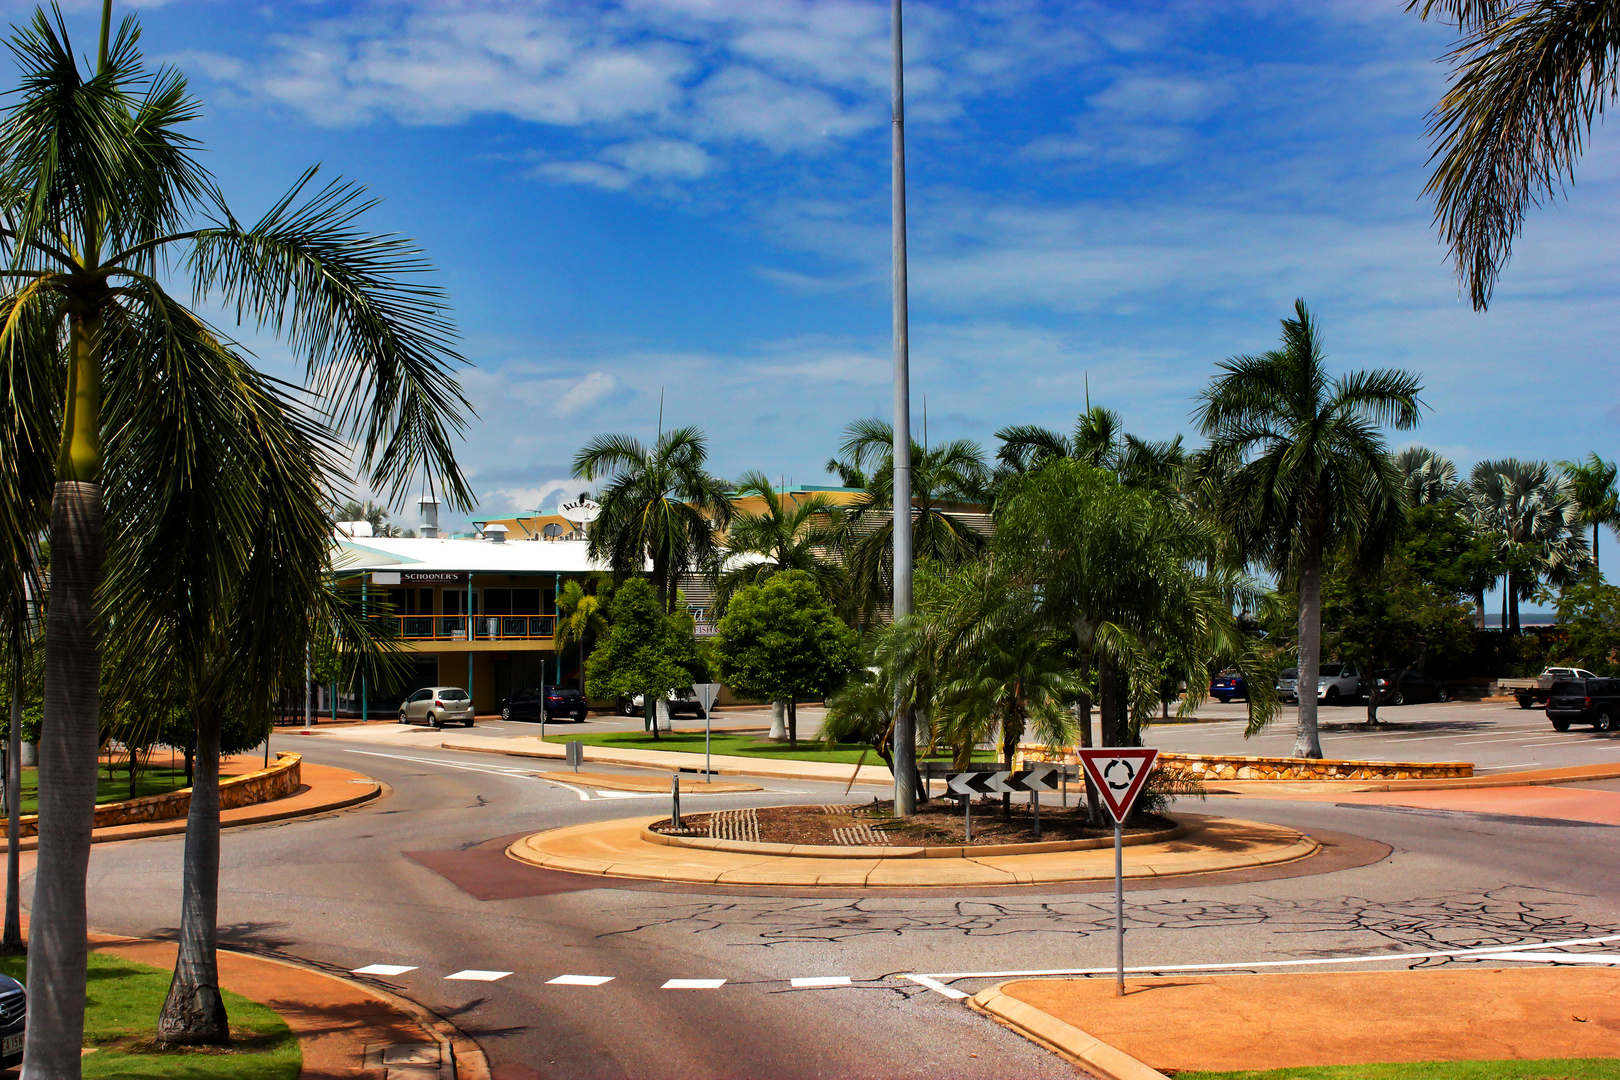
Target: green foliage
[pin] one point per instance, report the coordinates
(691, 742)
(781, 641)
(646, 651)
(122, 1000)
(792, 534)
(1589, 612)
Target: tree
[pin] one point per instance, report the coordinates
(953, 472)
(1589, 611)
(582, 617)
(782, 641)
(1310, 473)
(1593, 482)
(1099, 440)
(102, 199)
(1528, 78)
(1429, 478)
(373, 514)
(787, 536)
(660, 506)
(1530, 512)
(646, 652)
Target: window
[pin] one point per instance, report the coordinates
(525, 602)
(424, 602)
(422, 695)
(497, 601)
(452, 693)
(399, 600)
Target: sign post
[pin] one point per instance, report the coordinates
(1035, 779)
(708, 693)
(1119, 773)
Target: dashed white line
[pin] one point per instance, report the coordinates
(478, 975)
(579, 980)
(824, 980)
(382, 969)
(693, 984)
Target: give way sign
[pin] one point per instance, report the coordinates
(1119, 773)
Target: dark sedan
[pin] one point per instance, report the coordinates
(1228, 685)
(556, 702)
(1408, 687)
(13, 1018)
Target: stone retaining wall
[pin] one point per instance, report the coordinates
(277, 782)
(1239, 767)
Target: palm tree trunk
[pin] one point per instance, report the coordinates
(1513, 612)
(12, 943)
(1479, 609)
(67, 786)
(1307, 742)
(194, 1011)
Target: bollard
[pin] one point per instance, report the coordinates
(1035, 801)
(675, 800)
(967, 820)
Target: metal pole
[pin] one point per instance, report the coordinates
(675, 800)
(365, 702)
(905, 740)
(309, 691)
(1035, 801)
(708, 719)
(1119, 909)
(967, 820)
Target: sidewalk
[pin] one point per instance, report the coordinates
(1239, 1022)
(324, 789)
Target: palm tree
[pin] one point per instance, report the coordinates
(792, 535)
(952, 472)
(1099, 440)
(1429, 478)
(581, 617)
(1531, 511)
(1528, 77)
(659, 506)
(1311, 471)
(101, 199)
(373, 514)
(1593, 482)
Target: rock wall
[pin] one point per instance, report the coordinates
(1239, 767)
(266, 785)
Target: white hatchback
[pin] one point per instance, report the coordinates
(437, 706)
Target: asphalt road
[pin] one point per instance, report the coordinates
(378, 885)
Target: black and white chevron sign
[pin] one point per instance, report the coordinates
(1038, 778)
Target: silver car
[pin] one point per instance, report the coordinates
(437, 706)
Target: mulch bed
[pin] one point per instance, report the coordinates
(937, 823)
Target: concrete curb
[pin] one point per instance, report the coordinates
(1064, 1040)
(1529, 778)
(649, 786)
(833, 851)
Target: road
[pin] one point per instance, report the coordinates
(379, 886)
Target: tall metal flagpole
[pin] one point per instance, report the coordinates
(905, 795)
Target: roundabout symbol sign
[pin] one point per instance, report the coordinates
(1119, 773)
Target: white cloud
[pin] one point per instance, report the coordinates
(585, 393)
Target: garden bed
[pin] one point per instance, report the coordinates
(937, 823)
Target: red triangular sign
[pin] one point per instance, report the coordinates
(1119, 773)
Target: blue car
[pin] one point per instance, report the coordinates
(1228, 685)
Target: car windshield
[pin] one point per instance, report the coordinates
(1332, 671)
(452, 693)
(1290, 673)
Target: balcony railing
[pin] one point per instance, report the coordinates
(485, 627)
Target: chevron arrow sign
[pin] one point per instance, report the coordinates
(1037, 778)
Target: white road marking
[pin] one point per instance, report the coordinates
(382, 969)
(1557, 957)
(936, 986)
(476, 975)
(693, 984)
(1495, 953)
(579, 980)
(825, 980)
(1515, 765)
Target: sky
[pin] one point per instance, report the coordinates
(686, 202)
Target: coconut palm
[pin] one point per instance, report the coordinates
(1310, 471)
(1429, 478)
(1593, 482)
(1098, 439)
(1530, 509)
(102, 201)
(581, 618)
(660, 506)
(372, 513)
(952, 472)
(789, 535)
(1528, 79)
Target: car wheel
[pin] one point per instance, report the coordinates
(1526, 702)
(1605, 721)
(433, 722)
(506, 712)
(1398, 699)
(402, 716)
(626, 709)
(1224, 700)
(1560, 725)
(1441, 695)
(468, 723)
(1333, 695)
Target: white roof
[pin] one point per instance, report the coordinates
(474, 556)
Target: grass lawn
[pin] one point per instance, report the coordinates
(1545, 1069)
(122, 1000)
(151, 781)
(691, 742)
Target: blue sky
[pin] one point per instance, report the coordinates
(690, 197)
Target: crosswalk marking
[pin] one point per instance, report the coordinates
(693, 984)
(579, 980)
(382, 969)
(824, 980)
(476, 975)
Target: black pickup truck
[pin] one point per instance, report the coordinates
(1584, 701)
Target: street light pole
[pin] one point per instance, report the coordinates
(905, 742)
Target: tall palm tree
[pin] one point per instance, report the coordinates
(1593, 482)
(1528, 79)
(1429, 478)
(1531, 511)
(1312, 471)
(102, 202)
(1098, 439)
(952, 472)
(794, 534)
(581, 618)
(372, 513)
(660, 505)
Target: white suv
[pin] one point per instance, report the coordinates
(1334, 683)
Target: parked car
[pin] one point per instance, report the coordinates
(1339, 682)
(1585, 701)
(1228, 685)
(1532, 692)
(1288, 684)
(684, 700)
(13, 1019)
(1408, 687)
(556, 702)
(437, 706)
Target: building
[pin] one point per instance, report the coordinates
(479, 613)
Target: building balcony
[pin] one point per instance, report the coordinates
(484, 627)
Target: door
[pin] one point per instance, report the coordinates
(416, 708)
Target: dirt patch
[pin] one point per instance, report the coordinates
(936, 823)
